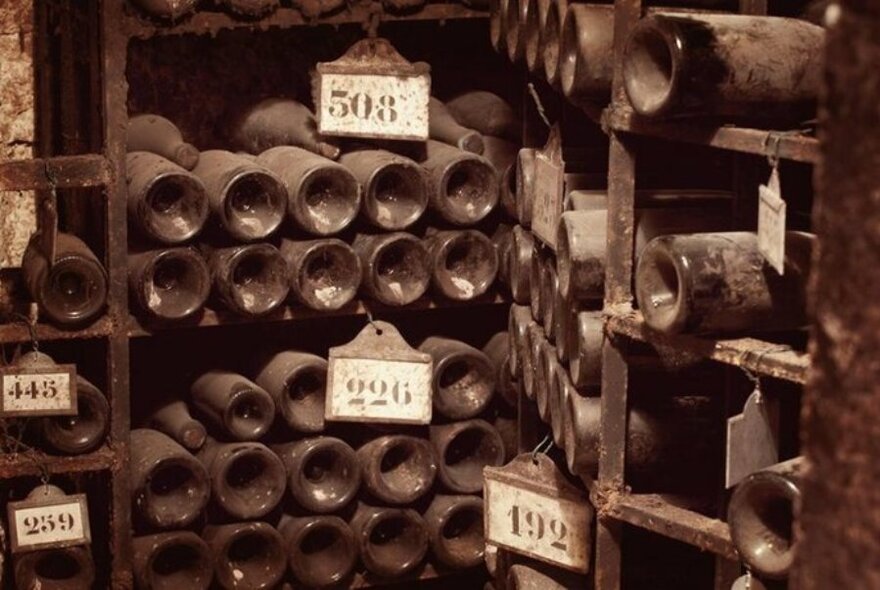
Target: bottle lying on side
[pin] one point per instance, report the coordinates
(455, 530)
(237, 407)
(250, 280)
(487, 113)
(67, 568)
(156, 134)
(71, 291)
(281, 122)
(167, 9)
(324, 274)
(761, 516)
(392, 541)
(174, 419)
(166, 202)
(497, 350)
(720, 282)
(464, 263)
(323, 473)
(463, 450)
(169, 284)
(397, 469)
(464, 378)
(444, 128)
(464, 185)
(396, 268)
(176, 559)
(247, 555)
(250, 8)
(296, 381)
(321, 550)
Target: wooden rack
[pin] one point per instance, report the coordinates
(118, 26)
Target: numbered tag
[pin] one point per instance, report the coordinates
(50, 522)
(373, 91)
(533, 510)
(38, 391)
(549, 188)
(748, 582)
(771, 222)
(751, 440)
(378, 377)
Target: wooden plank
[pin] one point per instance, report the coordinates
(758, 356)
(65, 171)
(20, 332)
(32, 463)
(791, 146)
(210, 23)
(655, 513)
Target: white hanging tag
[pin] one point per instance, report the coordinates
(771, 222)
(548, 189)
(748, 582)
(378, 377)
(752, 442)
(50, 522)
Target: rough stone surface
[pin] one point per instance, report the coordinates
(840, 516)
(17, 209)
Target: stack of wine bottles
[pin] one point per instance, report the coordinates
(674, 62)
(174, 10)
(244, 483)
(283, 219)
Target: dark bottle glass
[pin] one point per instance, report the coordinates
(463, 449)
(464, 186)
(234, 404)
(486, 112)
(297, 382)
(281, 122)
(397, 469)
(169, 487)
(166, 203)
(73, 289)
(464, 378)
(497, 350)
(443, 127)
(175, 420)
(321, 550)
(250, 8)
(250, 280)
(392, 541)
(167, 9)
(172, 561)
(396, 268)
(586, 48)
(247, 555)
(247, 479)
(67, 568)
(82, 432)
(324, 274)
(455, 530)
(323, 473)
(464, 263)
(169, 284)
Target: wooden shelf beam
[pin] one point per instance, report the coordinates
(65, 171)
(33, 463)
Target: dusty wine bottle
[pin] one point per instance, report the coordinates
(497, 24)
(397, 469)
(70, 291)
(497, 350)
(525, 183)
(514, 29)
(455, 530)
(250, 8)
(82, 432)
(444, 128)
(247, 200)
(546, 372)
(321, 550)
(156, 134)
(297, 382)
(551, 40)
(324, 274)
(250, 279)
(396, 268)
(720, 282)
(464, 186)
(235, 405)
(395, 188)
(464, 449)
(585, 361)
(247, 479)
(487, 113)
(172, 560)
(530, 352)
(536, 279)
(761, 517)
(323, 197)
(67, 568)
(247, 555)
(586, 47)
(549, 288)
(502, 154)
(464, 378)
(464, 263)
(518, 321)
(521, 259)
(536, 19)
(323, 473)
(502, 239)
(174, 419)
(169, 487)
(392, 541)
(169, 284)
(167, 9)
(166, 203)
(723, 64)
(281, 122)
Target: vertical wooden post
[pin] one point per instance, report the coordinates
(839, 524)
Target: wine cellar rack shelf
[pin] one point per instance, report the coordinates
(34, 463)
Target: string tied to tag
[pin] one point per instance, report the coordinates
(373, 323)
(543, 447)
(538, 104)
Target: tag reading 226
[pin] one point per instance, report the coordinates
(38, 392)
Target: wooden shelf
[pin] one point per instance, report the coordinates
(654, 513)
(791, 146)
(32, 463)
(64, 171)
(426, 571)
(211, 23)
(758, 356)
(138, 327)
(19, 332)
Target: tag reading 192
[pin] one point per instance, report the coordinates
(38, 392)
(60, 522)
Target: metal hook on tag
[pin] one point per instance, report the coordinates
(372, 322)
(538, 104)
(31, 326)
(773, 157)
(371, 25)
(543, 447)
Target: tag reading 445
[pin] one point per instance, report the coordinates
(38, 392)
(61, 521)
